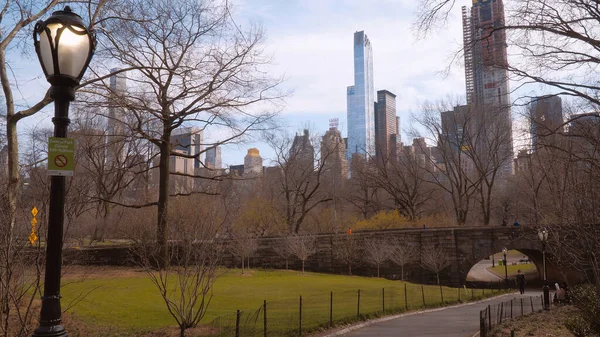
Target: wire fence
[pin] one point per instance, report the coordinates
(503, 312)
(306, 314)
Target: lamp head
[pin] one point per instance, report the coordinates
(64, 46)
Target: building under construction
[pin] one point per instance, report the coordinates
(486, 68)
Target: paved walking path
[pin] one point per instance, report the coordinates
(459, 321)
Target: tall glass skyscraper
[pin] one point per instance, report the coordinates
(361, 100)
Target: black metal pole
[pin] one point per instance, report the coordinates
(50, 315)
(545, 288)
(505, 271)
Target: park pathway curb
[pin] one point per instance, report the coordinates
(389, 318)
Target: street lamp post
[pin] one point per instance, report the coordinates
(543, 236)
(64, 47)
(505, 267)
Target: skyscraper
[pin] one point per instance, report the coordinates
(188, 140)
(213, 157)
(360, 98)
(486, 73)
(546, 120)
(115, 130)
(302, 152)
(253, 162)
(386, 129)
(333, 153)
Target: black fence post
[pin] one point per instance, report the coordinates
(405, 297)
(531, 300)
(358, 304)
(423, 294)
(521, 306)
(511, 309)
(265, 318)
(237, 324)
(382, 299)
(331, 309)
(482, 315)
(489, 308)
(300, 318)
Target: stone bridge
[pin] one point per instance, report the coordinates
(464, 247)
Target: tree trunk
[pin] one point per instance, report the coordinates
(350, 269)
(302, 266)
(242, 265)
(182, 330)
(378, 271)
(402, 272)
(162, 235)
(437, 275)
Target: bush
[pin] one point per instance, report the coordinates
(578, 326)
(587, 300)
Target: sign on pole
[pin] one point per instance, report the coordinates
(33, 237)
(61, 153)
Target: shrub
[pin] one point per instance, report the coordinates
(578, 326)
(587, 300)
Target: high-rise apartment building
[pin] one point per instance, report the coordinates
(213, 157)
(115, 129)
(486, 73)
(333, 154)
(360, 98)
(546, 118)
(188, 140)
(302, 151)
(253, 162)
(386, 130)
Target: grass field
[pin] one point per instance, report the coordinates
(512, 270)
(126, 303)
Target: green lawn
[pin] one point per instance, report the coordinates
(129, 305)
(512, 270)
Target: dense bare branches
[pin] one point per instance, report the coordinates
(347, 248)
(404, 253)
(299, 179)
(434, 258)
(377, 251)
(301, 246)
(193, 67)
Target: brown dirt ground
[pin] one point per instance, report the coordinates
(544, 324)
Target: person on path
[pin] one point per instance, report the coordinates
(521, 281)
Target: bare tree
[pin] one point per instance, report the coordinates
(300, 179)
(377, 251)
(450, 167)
(194, 67)
(434, 258)
(185, 287)
(281, 248)
(242, 247)
(403, 177)
(360, 191)
(302, 247)
(347, 248)
(404, 253)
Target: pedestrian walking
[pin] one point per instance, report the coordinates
(521, 281)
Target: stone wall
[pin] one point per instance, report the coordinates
(463, 246)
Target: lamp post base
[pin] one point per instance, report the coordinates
(50, 331)
(546, 291)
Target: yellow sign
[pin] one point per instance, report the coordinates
(32, 238)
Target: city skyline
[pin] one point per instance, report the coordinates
(405, 65)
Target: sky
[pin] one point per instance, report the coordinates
(311, 42)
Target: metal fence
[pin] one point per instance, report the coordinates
(497, 314)
(320, 311)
